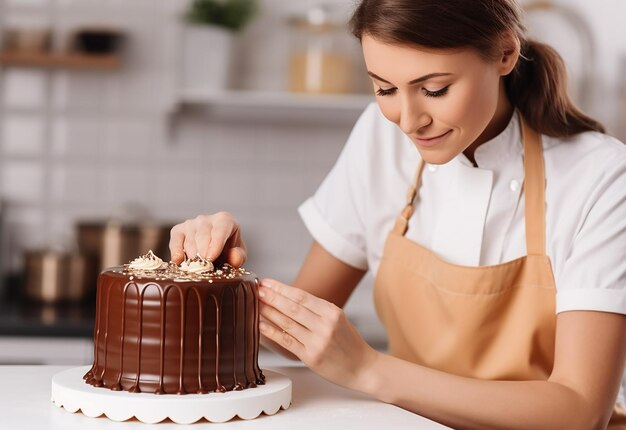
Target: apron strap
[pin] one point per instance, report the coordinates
(534, 191)
(402, 222)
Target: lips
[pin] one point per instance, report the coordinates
(434, 137)
(431, 141)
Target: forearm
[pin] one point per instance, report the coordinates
(465, 403)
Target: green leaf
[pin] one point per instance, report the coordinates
(231, 14)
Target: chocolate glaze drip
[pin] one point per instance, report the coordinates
(164, 336)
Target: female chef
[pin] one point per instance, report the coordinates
(501, 276)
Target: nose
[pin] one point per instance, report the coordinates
(412, 116)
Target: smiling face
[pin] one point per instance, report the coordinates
(447, 102)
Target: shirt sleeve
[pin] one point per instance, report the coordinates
(594, 274)
(335, 214)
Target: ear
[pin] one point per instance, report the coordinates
(509, 53)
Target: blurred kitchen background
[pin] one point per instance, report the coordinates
(118, 119)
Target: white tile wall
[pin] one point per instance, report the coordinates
(23, 134)
(28, 3)
(24, 228)
(77, 137)
(79, 90)
(24, 88)
(74, 184)
(110, 143)
(24, 18)
(22, 182)
(128, 138)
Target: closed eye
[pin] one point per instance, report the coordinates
(391, 91)
(438, 93)
(385, 92)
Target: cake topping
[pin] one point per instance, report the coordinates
(196, 269)
(196, 265)
(148, 261)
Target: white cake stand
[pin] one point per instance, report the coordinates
(70, 391)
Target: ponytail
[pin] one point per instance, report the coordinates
(538, 88)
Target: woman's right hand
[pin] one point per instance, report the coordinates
(209, 236)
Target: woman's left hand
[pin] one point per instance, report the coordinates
(317, 332)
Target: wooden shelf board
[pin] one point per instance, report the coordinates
(60, 60)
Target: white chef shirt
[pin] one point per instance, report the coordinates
(474, 216)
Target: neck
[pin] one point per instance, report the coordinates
(501, 118)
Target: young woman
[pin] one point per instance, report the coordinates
(501, 277)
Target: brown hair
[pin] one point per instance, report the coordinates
(538, 84)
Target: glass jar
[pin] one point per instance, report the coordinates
(320, 62)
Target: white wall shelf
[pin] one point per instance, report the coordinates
(274, 106)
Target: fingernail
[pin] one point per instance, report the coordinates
(266, 283)
(261, 293)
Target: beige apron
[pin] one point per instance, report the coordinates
(489, 322)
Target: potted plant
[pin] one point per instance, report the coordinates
(211, 26)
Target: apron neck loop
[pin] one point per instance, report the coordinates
(534, 193)
(402, 222)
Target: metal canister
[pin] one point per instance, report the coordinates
(53, 276)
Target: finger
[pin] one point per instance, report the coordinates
(190, 240)
(284, 323)
(262, 318)
(282, 338)
(203, 239)
(236, 256)
(314, 304)
(291, 309)
(177, 238)
(265, 341)
(266, 321)
(219, 235)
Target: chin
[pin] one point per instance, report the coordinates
(436, 156)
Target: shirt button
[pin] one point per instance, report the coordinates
(514, 185)
(431, 168)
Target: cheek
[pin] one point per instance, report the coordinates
(389, 109)
(475, 102)
(485, 97)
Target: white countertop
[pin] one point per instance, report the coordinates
(316, 404)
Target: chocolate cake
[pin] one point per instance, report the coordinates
(168, 329)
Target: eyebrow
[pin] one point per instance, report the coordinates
(414, 81)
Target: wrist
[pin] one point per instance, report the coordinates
(370, 376)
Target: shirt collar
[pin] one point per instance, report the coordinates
(494, 152)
